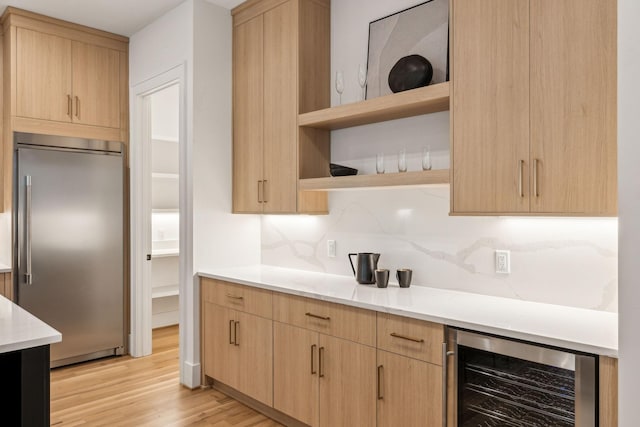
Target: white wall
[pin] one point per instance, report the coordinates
(198, 35)
(629, 208)
(561, 261)
(165, 117)
(162, 45)
(220, 238)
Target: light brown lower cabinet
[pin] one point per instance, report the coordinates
(409, 391)
(238, 351)
(323, 364)
(322, 380)
(6, 285)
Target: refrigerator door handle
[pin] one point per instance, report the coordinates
(28, 278)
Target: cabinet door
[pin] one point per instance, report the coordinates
(96, 85)
(220, 354)
(43, 76)
(573, 106)
(5, 282)
(280, 108)
(254, 339)
(410, 392)
(248, 116)
(490, 106)
(295, 372)
(347, 383)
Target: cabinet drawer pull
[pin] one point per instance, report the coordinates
(321, 362)
(535, 178)
(231, 328)
(77, 107)
(520, 178)
(264, 191)
(69, 105)
(404, 337)
(234, 297)
(259, 186)
(235, 334)
(379, 383)
(315, 316)
(313, 349)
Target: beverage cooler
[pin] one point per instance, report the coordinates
(509, 383)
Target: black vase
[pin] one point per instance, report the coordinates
(410, 72)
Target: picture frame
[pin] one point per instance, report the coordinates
(422, 30)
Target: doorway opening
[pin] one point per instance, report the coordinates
(164, 149)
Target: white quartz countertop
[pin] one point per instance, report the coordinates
(588, 331)
(4, 268)
(20, 329)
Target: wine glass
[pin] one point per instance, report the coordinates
(339, 85)
(362, 79)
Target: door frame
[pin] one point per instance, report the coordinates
(140, 339)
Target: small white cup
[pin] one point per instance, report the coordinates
(380, 163)
(402, 161)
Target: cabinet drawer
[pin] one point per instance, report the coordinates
(238, 297)
(341, 321)
(410, 337)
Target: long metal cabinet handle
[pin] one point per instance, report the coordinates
(321, 362)
(404, 337)
(259, 198)
(535, 177)
(264, 191)
(379, 383)
(235, 333)
(445, 366)
(315, 316)
(231, 340)
(313, 349)
(520, 178)
(28, 277)
(69, 106)
(234, 297)
(77, 107)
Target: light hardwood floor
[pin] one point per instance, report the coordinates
(145, 391)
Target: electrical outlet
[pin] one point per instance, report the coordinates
(503, 262)
(331, 248)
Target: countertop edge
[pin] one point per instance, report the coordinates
(464, 324)
(36, 342)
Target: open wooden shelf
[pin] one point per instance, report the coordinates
(424, 100)
(400, 179)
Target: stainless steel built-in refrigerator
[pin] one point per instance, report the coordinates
(68, 241)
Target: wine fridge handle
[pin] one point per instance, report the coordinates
(445, 368)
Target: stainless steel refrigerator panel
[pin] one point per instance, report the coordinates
(70, 234)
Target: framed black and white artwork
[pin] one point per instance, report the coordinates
(414, 43)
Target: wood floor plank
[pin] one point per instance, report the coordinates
(126, 391)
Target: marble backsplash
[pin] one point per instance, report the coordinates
(566, 261)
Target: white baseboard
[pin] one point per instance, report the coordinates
(190, 375)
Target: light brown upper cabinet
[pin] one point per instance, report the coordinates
(534, 108)
(61, 78)
(280, 69)
(66, 81)
(64, 78)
